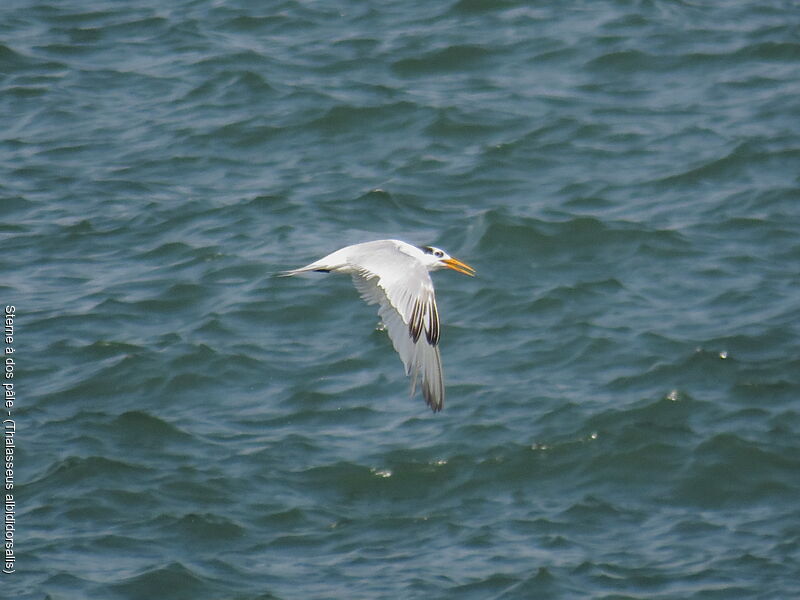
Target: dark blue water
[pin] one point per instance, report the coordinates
(623, 376)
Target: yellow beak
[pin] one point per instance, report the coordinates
(459, 266)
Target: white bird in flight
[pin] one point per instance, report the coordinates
(394, 275)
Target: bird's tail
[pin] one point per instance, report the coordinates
(315, 266)
(290, 273)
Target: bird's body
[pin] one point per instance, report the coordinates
(394, 275)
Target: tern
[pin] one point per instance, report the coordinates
(394, 275)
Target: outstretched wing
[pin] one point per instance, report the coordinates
(403, 291)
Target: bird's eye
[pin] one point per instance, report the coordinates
(438, 254)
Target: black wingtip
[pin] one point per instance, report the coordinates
(435, 404)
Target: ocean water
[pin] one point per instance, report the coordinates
(623, 375)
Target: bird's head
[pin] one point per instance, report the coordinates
(436, 258)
